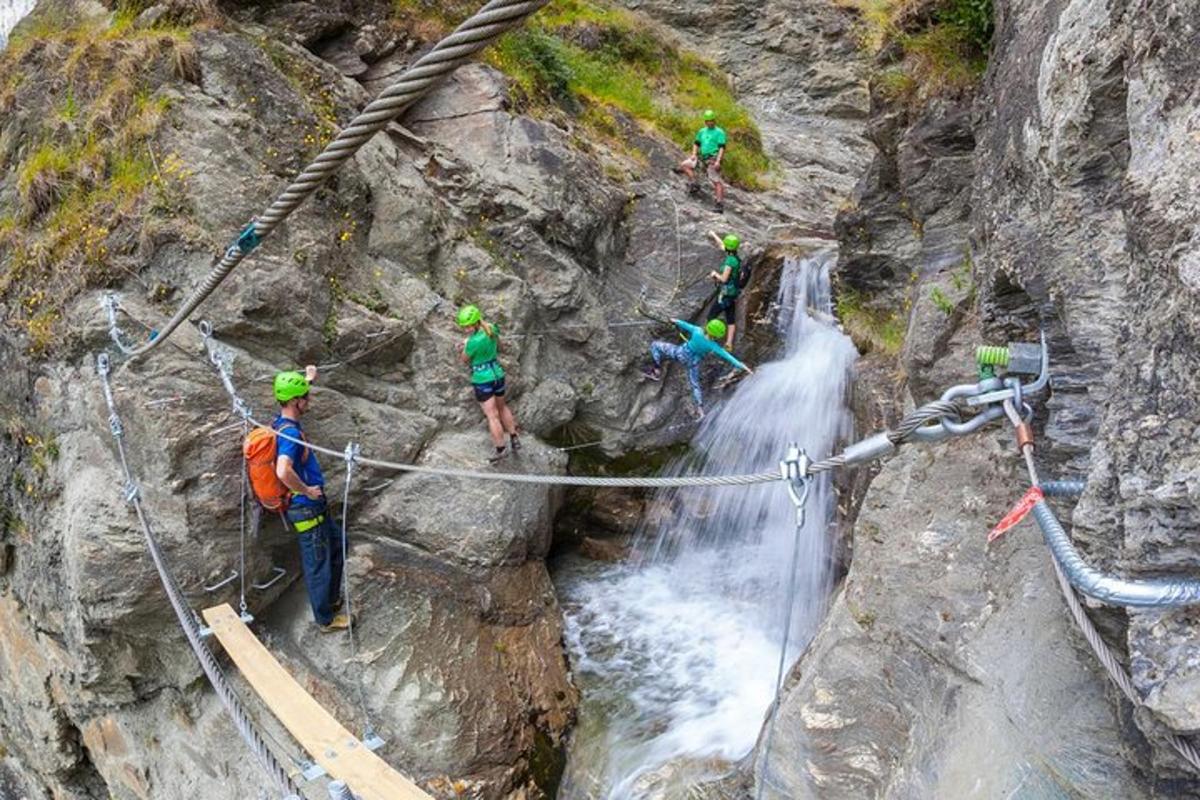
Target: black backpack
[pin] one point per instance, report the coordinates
(743, 277)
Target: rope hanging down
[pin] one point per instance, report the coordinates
(795, 468)
(488, 24)
(185, 615)
(351, 455)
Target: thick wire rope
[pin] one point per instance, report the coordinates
(800, 500)
(470, 37)
(184, 613)
(1104, 654)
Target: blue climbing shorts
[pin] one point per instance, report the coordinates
(486, 391)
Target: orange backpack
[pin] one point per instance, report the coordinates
(259, 449)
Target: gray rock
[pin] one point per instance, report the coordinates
(918, 684)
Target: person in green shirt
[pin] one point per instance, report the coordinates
(729, 282)
(707, 151)
(487, 379)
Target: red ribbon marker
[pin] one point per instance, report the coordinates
(1018, 513)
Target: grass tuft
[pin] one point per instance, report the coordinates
(88, 175)
(586, 59)
(942, 46)
(869, 327)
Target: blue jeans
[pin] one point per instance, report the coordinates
(321, 558)
(684, 355)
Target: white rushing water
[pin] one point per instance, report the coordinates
(12, 12)
(677, 656)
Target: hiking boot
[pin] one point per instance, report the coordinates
(500, 454)
(653, 373)
(719, 208)
(693, 189)
(340, 622)
(514, 442)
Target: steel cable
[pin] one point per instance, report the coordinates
(473, 35)
(184, 613)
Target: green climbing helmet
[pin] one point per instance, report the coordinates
(709, 114)
(289, 386)
(731, 242)
(469, 315)
(715, 328)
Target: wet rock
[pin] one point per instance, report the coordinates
(603, 549)
(917, 685)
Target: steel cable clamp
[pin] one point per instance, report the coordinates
(991, 392)
(794, 470)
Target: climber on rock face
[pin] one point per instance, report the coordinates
(729, 279)
(487, 379)
(708, 150)
(308, 512)
(699, 344)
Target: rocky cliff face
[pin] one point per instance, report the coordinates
(1055, 195)
(459, 643)
(949, 668)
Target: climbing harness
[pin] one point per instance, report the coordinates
(488, 24)
(186, 617)
(794, 470)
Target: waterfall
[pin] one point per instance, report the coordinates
(677, 654)
(12, 12)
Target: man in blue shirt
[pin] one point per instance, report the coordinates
(308, 514)
(699, 344)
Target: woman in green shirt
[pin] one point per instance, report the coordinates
(487, 378)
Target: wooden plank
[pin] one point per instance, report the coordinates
(331, 745)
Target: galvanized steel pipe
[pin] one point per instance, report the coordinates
(1149, 593)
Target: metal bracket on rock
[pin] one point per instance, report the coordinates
(989, 395)
(277, 575)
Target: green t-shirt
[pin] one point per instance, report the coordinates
(734, 265)
(481, 349)
(710, 140)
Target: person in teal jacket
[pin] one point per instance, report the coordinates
(699, 344)
(487, 378)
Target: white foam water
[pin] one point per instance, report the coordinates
(12, 12)
(677, 655)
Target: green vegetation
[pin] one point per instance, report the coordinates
(963, 283)
(585, 59)
(89, 170)
(871, 328)
(942, 45)
(941, 301)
